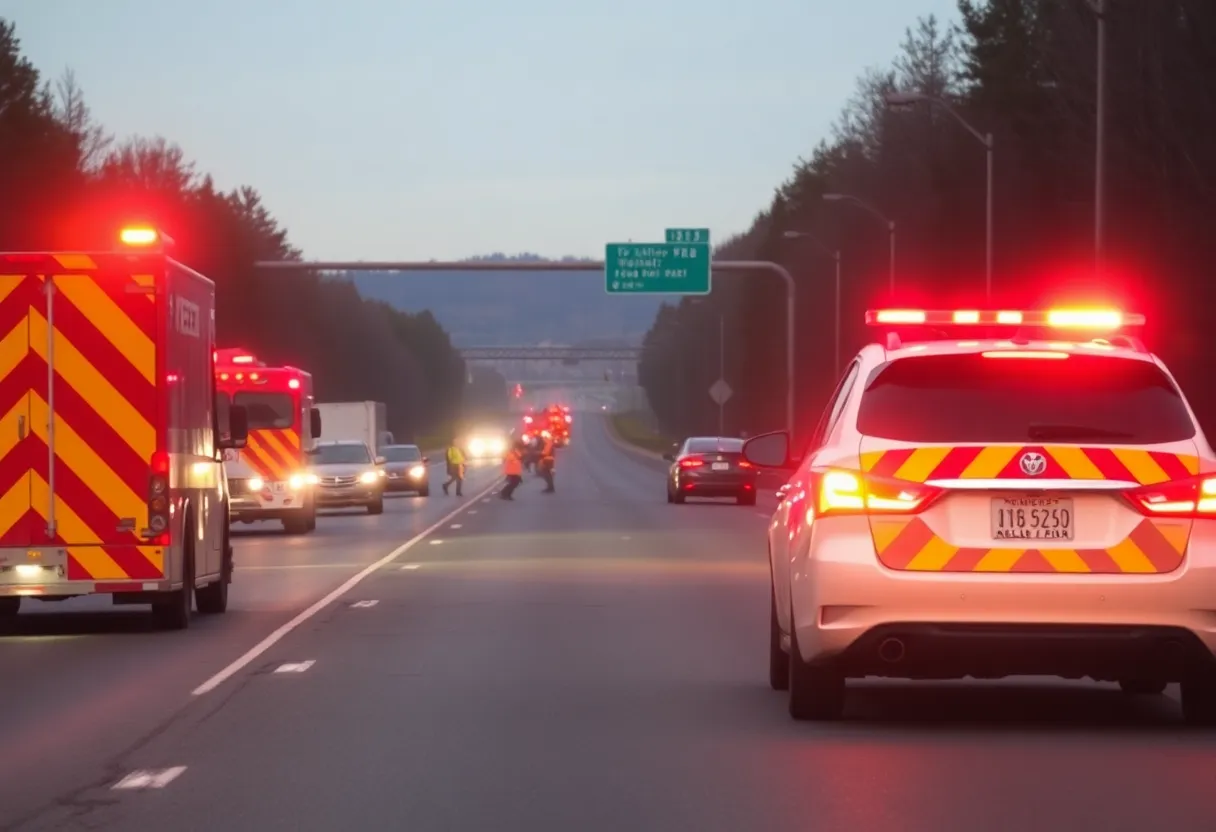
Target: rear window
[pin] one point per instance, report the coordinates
(969, 398)
(714, 446)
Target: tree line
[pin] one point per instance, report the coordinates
(1024, 71)
(70, 185)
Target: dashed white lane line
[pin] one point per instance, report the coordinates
(411, 566)
(487, 499)
(436, 542)
(471, 511)
(149, 778)
(456, 526)
(362, 605)
(274, 638)
(295, 667)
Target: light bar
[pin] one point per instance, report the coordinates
(242, 359)
(139, 235)
(1090, 319)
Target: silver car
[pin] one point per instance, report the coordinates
(349, 475)
(406, 469)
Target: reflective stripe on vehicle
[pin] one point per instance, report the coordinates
(943, 462)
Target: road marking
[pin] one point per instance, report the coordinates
(487, 499)
(411, 566)
(295, 667)
(436, 542)
(287, 566)
(149, 778)
(364, 604)
(456, 526)
(472, 511)
(351, 582)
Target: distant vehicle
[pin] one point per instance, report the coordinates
(486, 443)
(349, 474)
(992, 494)
(710, 466)
(406, 470)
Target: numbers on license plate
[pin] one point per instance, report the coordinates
(1032, 518)
(720, 466)
(278, 487)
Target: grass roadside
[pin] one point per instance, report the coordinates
(633, 428)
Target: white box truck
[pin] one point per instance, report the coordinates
(364, 421)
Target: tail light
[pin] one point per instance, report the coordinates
(158, 494)
(838, 492)
(691, 462)
(1190, 498)
(743, 463)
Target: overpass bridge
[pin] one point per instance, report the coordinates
(569, 354)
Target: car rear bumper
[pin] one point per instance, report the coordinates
(350, 496)
(719, 485)
(846, 604)
(56, 571)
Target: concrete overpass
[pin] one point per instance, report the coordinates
(551, 353)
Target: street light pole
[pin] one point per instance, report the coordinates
(889, 223)
(835, 255)
(905, 99)
(1099, 8)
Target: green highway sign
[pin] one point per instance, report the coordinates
(688, 235)
(657, 268)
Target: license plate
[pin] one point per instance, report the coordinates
(1032, 518)
(278, 487)
(720, 466)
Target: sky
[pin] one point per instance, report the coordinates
(401, 129)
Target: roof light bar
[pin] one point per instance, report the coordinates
(1089, 319)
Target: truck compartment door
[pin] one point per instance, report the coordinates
(23, 454)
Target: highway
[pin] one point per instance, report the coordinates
(589, 660)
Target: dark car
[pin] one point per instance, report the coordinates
(406, 469)
(710, 466)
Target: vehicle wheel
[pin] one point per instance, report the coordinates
(173, 613)
(213, 598)
(747, 498)
(376, 506)
(10, 606)
(670, 498)
(678, 498)
(1142, 687)
(1199, 696)
(778, 661)
(301, 522)
(425, 491)
(816, 691)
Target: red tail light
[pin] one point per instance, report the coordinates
(1190, 498)
(160, 462)
(743, 463)
(691, 462)
(836, 491)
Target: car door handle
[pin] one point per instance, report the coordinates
(20, 427)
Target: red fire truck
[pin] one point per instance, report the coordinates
(268, 477)
(111, 481)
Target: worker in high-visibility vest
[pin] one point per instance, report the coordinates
(455, 460)
(513, 469)
(548, 462)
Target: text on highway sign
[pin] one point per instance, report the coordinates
(669, 268)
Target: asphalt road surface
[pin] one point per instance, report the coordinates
(588, 660)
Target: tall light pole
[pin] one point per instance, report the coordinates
(906, 99)
(835, 255)
(1099, 8)
(889, 223)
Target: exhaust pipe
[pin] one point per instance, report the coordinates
(891, 650)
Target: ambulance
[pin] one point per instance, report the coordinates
(111, 479)
(268, 477)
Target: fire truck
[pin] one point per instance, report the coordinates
(268, 477)
(111, 475)
(557, 418)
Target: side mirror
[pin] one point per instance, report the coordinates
(669, 457)
(238, 428)
(769, 450)
(314, 422)
(381, 460)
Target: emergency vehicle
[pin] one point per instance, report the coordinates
(269, 477)
(111, 480)
(556, 419)
(996, 493)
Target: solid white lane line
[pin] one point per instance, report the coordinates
(277, 636)
(149, 778)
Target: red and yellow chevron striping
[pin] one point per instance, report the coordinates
(908, 544)
(273, 454)
(942, 462)
(89, 319)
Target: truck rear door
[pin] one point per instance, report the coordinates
(87, 384)
(23, 375)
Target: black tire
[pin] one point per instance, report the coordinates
(1142, 687)
(376, 506)
(816, 691)
(747, 498)
(10, 605)
(302, 522)
(670, 498)
(1199, 697)
(425, 491)
(678, 498)
(778, 660)
(173, 613)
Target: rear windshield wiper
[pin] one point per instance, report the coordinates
(1052, 431)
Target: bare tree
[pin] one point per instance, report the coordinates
(93, 142)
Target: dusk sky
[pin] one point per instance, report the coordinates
(381, 129)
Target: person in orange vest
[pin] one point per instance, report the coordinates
(513, 468)
(547, 463)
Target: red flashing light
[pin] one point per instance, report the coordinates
(240, 376)
(253, 376)
(242, 359)
(293, 383)
(139, 236)
(160, 462)
(1024, 354)
(691, 462)
(1092, 319)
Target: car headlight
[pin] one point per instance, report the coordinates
(256, 483)
(498, 446)
(298, 481)
(418, 471)
(476, 446)
(369, 477)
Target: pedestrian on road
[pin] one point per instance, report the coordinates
(548, 462)
(455, 470)
(513, 468)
